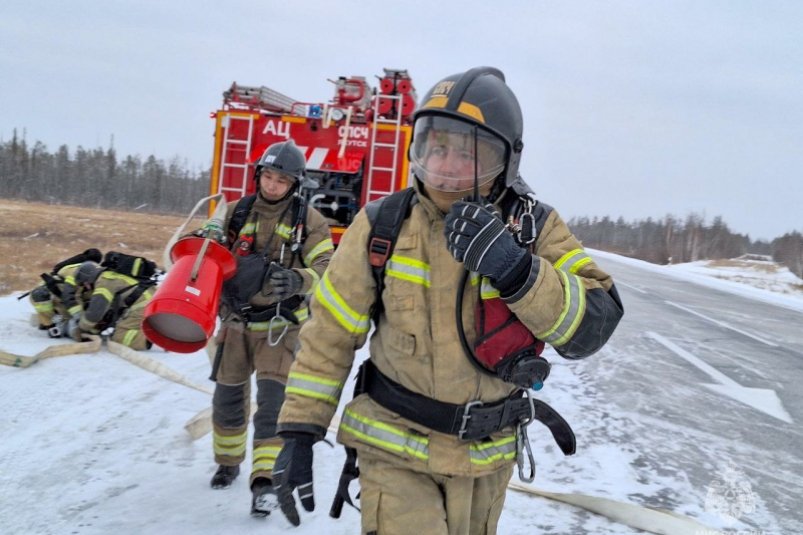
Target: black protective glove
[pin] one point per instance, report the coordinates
(293, 469)
(285, 282)
(476, 236)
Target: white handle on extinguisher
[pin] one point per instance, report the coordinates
(220, 213)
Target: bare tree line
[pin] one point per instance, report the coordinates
(675, 240)
(97, 177)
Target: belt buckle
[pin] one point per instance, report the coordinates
(467, 417)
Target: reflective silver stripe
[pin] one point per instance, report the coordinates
(314, 387)
(324, 246)
(384, 436)
(573, 261)
(484, 453)
(408, 269)
(574, 305)
(347, 317)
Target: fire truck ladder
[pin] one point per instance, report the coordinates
(232, 146)
(378, 119)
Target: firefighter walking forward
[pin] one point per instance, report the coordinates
(440, 424)
(282, 249)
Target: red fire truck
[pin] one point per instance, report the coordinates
(355, 144)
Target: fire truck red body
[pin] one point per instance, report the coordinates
(355, 145)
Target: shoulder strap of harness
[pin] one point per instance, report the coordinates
(241, 211)
(386, 216)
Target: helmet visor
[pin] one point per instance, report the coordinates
(447, 153)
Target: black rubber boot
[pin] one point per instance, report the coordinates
(224, 476)
(264, 499)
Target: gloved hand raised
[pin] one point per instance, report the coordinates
(476, 236)
(285, 282)
(293, 469)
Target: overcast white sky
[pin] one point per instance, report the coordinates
(632, 108)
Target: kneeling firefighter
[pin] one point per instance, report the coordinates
(58, 300)
(463, 294)
(282, 248)
(115, 298)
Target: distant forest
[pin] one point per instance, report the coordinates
(99, 178)
(673, 240)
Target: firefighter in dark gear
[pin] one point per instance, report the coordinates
(432, 428)
(282, 248)
(114, 300)
(59, 299)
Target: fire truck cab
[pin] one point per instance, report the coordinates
(355, 144)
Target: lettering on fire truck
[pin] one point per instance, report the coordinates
(277, 128)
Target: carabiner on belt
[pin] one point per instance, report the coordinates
(523, 442)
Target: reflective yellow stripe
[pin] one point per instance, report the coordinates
(128, 339)
(70, 279)
(248, 228)
(74, 310)
(315, 279)
(112, 275)
(346, 316)
(43, 306)
(265, 458)
(302, 314)
(322, 247)
(315, 387)
(573, 261)
(408, 269)
(574, 305)
(487, 291)
(284, 231)
(384, 436)
(105, 293)
(137, 265)
(233, 445)
(484, 453)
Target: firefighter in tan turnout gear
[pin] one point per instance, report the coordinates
(112, 300)
(282, 248)
(59, 298)
(442, 407)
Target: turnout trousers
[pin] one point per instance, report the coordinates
(398, 501)
(246, 351)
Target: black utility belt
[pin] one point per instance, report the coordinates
(473, 421)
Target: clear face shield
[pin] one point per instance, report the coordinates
(448, 153)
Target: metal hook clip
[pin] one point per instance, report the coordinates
(523, 443)
(271, 323)
(527, 230)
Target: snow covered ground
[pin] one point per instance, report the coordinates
(92, 444)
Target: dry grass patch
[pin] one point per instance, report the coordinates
(34, 236)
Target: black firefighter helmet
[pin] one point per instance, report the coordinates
(87, 273)
(284, 157)
(477, 100)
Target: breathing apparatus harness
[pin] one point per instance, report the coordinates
(253, 268)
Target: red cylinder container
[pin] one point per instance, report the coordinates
(386, 86)
(404, 86)
(182, 314)
(408, 104)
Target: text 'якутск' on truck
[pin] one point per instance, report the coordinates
(355, 145)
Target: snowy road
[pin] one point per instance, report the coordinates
(93, 445)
